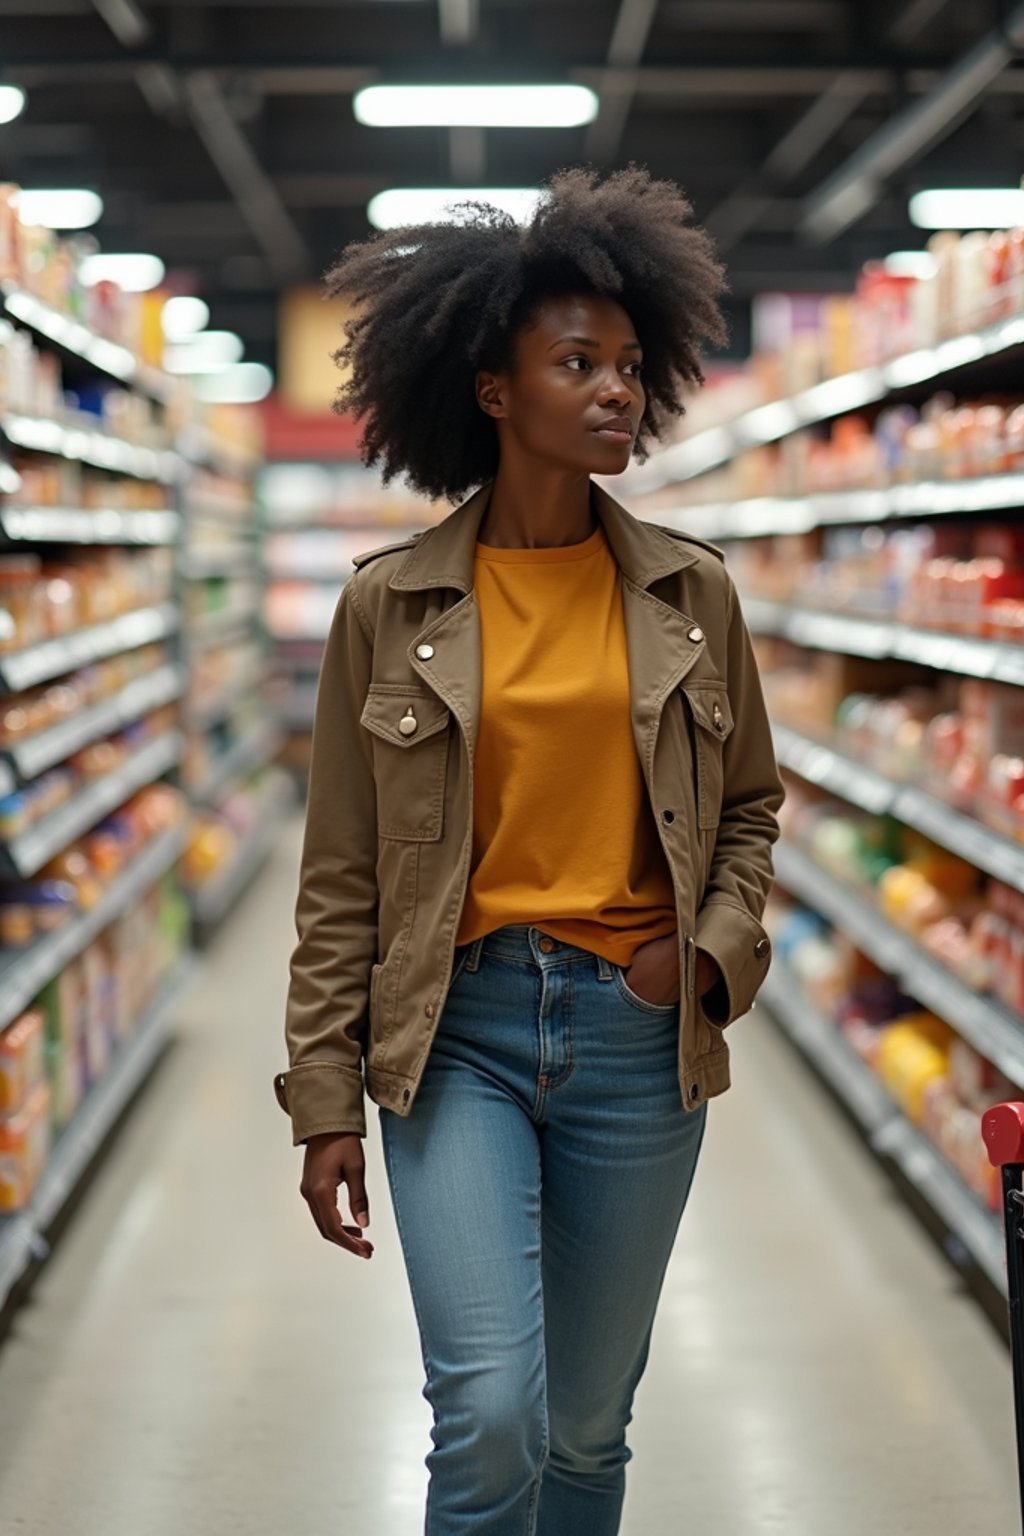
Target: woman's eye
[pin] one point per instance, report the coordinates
(583, 361)
(635, 369)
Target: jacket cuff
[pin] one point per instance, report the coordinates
(322, 1096)
(743, 952)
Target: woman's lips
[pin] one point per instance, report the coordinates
(614, 434)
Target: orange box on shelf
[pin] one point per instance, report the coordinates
(22, 1060)
(24, 1149)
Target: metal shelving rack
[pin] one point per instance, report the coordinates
(234, 733)
(995, 1031)
(24, 973)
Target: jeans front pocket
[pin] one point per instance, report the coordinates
(634, 1000)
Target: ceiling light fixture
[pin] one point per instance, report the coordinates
(475, 106)
(206, 352)
(132, 271)
(59, 208)
(968, 208)
(183, 316)
(244, 384)
(434, 205)
(12, 102)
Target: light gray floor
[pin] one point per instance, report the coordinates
(196, 1359)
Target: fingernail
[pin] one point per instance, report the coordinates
(363, 1219)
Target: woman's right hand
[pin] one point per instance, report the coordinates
(332, 1160)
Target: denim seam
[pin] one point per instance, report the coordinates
(390, 1166)
(532, 1509)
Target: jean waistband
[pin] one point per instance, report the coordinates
(521, 941)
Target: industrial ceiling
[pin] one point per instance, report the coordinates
(222, 137)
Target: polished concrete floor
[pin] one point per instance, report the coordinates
(196, 1359)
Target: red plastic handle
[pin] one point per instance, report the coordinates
(1002, 1128)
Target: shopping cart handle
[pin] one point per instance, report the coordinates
(1002, 1128)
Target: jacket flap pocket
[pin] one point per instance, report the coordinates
(389, 704)
(711, 707)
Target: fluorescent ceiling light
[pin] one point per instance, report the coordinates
(968, 208)
(243, 384)
(429, 205)
(911, 264)
(475, 106)
(207, 352)
(60, 208)
(183, 316)
(12, 103)
(134, 272)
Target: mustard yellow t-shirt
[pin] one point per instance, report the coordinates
(563, 833)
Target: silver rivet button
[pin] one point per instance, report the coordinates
(408, 722)
(696, 634)
(424, 652)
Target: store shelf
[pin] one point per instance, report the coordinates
(24, 973)
(212, 901)
(70, 335)
(85, 525)
(888, 1130)
(298, 708)
(849, 780)
(53, 658)
(967, 655)
(211, 629)
(316, 578)
(991, 1029)
(26, 854)
(90, 445)
(214, 710)
(834, 397)
(201, 448)
(246, 756)
(202, 564)
(759, 516)
(23, 1235)
(36, 754)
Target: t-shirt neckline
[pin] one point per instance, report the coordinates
(554, 555)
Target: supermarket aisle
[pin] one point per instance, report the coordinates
(197, 1359)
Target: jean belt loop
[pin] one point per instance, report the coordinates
(473, 960)
(604, 969)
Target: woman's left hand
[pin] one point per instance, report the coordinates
(654, 973)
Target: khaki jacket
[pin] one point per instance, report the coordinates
(388, 839)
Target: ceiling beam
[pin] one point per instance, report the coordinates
(756, 16)
(912, 20)
(124, 18)
(843, 197)
(625, 50)
(743, 208)
(459, 21)
(258, 199)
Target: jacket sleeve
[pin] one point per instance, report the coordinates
(336, 911)
(729, 921)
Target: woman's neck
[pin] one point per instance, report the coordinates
(531, 510)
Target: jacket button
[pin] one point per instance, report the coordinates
(424, 652)
(408, 723)
(696, 634)
(429, 1010)
(761, 948)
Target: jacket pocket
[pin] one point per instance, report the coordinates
(409, 725)
(711, 712)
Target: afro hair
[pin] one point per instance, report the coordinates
(435, 303)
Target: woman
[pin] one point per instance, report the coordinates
(538, 846)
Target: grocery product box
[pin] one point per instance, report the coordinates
(25, 1140)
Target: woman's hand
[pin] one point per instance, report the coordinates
(654, 973)
(333, 1159)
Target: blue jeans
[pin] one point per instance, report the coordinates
(538, 1184)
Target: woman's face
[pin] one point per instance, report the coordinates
(572, 395)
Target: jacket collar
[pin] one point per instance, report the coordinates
(443, 556)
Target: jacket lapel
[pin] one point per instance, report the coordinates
(659, 638)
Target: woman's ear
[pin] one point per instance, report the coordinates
(490, 394)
